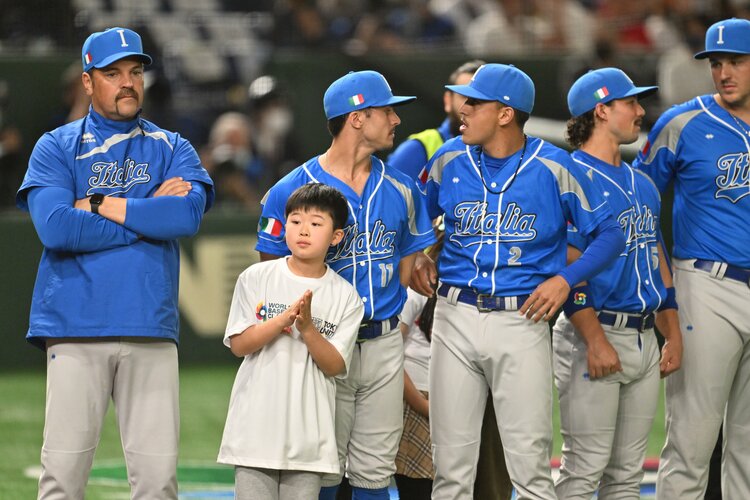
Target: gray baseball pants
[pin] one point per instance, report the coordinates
(141, 378)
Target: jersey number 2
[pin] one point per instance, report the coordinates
(515, 254)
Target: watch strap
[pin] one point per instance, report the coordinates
(96, 200)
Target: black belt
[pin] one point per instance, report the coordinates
(640, 322)
(372, 329)
(731, 272)
(483, 302)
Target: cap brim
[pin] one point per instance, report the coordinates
(707, 53)
(122, 55)
(642, 91)
(467, 91)
(399, 99)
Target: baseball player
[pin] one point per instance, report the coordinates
(607, 367)
(703, 145)
(506, 198)
(109, 196)
(388, 225)
(411, 157)
(295, 322)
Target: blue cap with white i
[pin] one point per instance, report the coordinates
(731, 36)
(105, 47)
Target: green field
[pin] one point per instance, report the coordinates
(204, 394)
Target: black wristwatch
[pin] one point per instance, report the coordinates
(95, 201)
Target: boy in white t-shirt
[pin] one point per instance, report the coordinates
(279, 433)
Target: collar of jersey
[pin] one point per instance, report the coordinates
(107, 125)
(601, 164)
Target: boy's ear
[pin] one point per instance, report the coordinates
(338, 235)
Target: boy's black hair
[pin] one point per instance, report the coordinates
(323, 197)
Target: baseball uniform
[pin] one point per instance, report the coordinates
(103, 281)
(704, 149)
(606, 422)
(505, 226)
(387, 222)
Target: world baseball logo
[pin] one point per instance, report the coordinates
(260, 312)
(579, 298)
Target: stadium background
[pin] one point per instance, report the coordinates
(271, 61)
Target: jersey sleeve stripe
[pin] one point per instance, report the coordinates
(439, 164)
(670, 134)
(567, 183)
(406, 194)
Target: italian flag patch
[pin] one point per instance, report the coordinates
(356, 100)
(270, 226)
(601, 93)
(87, 58)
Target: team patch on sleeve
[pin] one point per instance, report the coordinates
(270, 226)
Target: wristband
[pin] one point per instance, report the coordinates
(671, 301)
(578, 298)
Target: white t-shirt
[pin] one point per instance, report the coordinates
(416, 345)
(281, 412)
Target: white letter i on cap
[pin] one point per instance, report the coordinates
(122, 37)
(720, 41)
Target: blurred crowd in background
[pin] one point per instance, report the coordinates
(210, 81)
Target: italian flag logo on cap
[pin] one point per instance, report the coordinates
(270, 226)
(601, 93)
(87, 58)
(356, 100)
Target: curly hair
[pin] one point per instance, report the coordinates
(579, 129)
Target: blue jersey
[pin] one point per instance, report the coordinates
(386, 223)
(705, 150)
(505, 230)
(410, 156)
(632, 283)
(127, 290)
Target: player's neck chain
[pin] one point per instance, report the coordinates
(739, 124)
(515, 173)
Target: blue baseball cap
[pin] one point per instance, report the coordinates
(500, 82)
(359, 90)
(730, 36)
(105, 47)
(601, 86)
